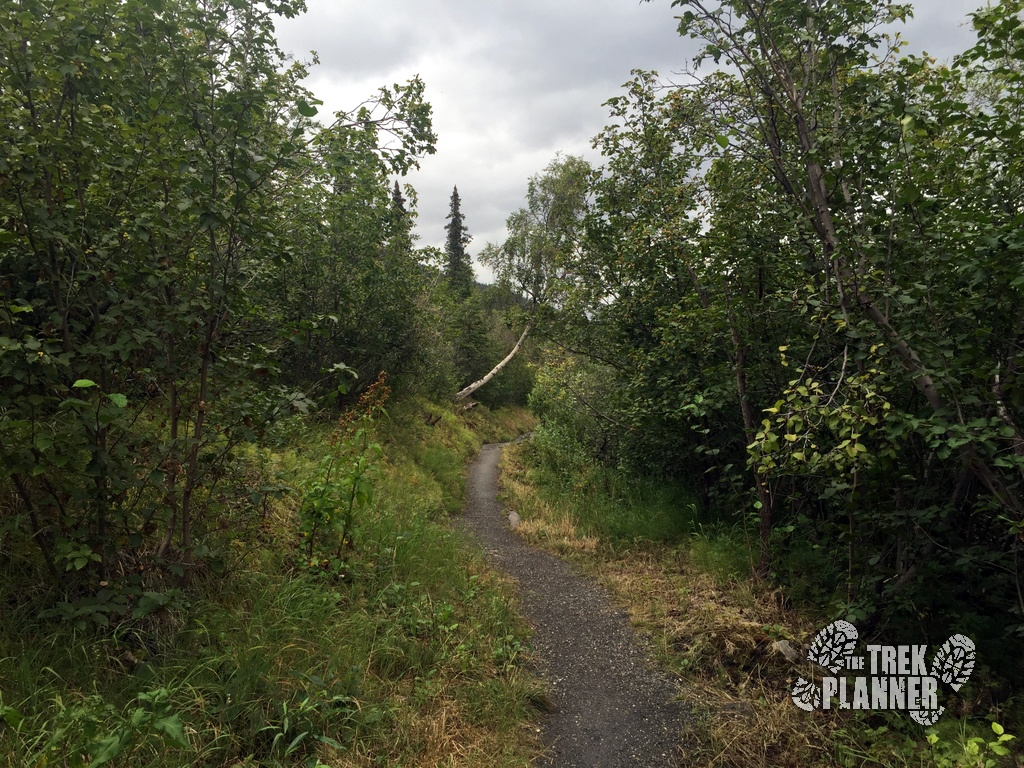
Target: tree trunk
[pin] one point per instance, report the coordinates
(750, 431)
(464, 393)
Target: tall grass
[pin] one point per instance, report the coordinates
(618, 508)
(410, 655)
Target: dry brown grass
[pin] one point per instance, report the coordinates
(546, 527)
(720, 638)
(441, 736)
(542, 524)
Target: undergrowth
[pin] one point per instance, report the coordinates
(359, 632)
(685, 583)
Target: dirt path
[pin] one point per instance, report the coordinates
(611, 706)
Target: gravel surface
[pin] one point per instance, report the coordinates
(611, 707)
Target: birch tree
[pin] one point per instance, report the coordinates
(541, 251)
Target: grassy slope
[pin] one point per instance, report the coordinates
(412, 657)
(686, 587)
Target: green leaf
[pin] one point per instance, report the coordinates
(330, 742)
(119, 400)
(11, 716)
(83, 383)
(306, 109)
(722, 140)
(172, 730)
(106, 749)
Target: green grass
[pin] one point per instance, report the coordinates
(617, 508)
(410, 654)
(723, 551)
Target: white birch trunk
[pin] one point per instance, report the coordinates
(464, 393)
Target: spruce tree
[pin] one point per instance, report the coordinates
(398, 209)
(399, 219)
(458, 269)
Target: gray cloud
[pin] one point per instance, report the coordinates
(512, 83)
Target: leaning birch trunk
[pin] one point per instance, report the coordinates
(464, 393)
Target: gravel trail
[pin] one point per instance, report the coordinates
(612, 707)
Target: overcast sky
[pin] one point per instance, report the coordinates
(513, 82)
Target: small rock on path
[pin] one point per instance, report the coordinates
(611, 706)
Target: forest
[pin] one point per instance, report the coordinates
(791, 293)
